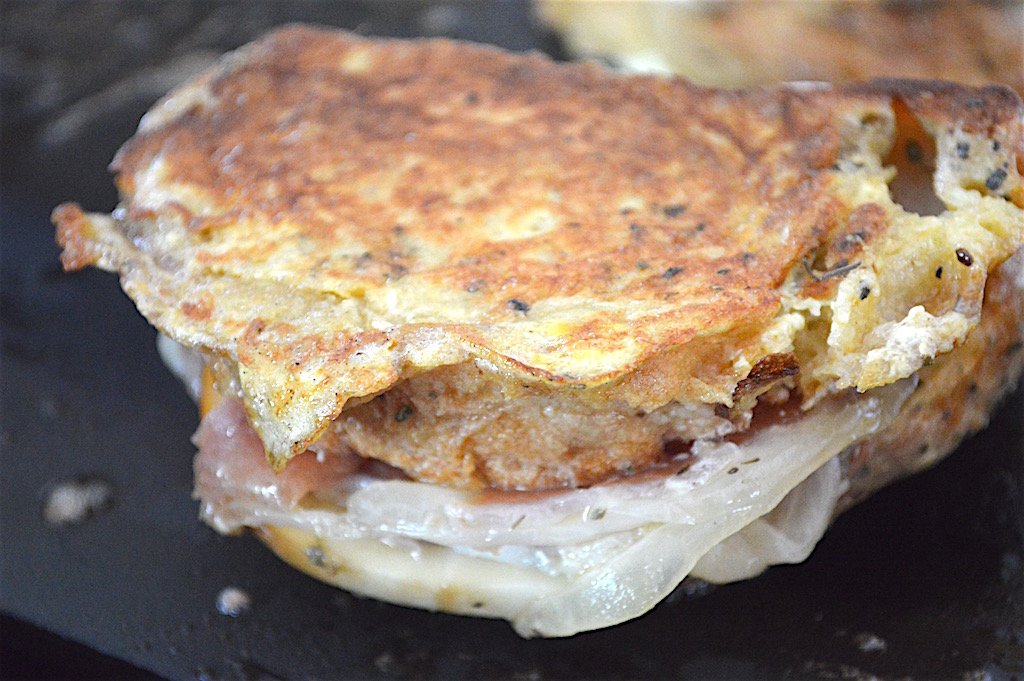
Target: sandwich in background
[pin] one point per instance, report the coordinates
(743, 44)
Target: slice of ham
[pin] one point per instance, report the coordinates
(231, 466)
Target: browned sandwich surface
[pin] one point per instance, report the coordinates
(485, 238)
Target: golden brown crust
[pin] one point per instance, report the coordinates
(333, 215)
(74, 236)
(768, 371)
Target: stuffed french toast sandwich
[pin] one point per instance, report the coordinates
(484, 333)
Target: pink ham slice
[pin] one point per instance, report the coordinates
(231, 466)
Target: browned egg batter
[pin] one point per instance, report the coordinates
(494, 271)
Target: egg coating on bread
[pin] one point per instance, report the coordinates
(331, 219)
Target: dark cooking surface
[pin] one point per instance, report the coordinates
(926, 580)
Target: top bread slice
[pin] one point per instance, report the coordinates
(331, 218)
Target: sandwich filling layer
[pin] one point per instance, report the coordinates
(556, 563)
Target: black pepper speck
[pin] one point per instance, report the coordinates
(914, 152)
(938, 272)
(995, 180)
(315, 555)
(963, 150)
(518, 305)
(671, 272)
(403, 414)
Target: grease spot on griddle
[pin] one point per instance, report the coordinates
(73, 501)
(232, 601)
(870, 643)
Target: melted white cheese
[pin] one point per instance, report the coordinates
(586, 558)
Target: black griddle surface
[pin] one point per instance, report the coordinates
(925, 580)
